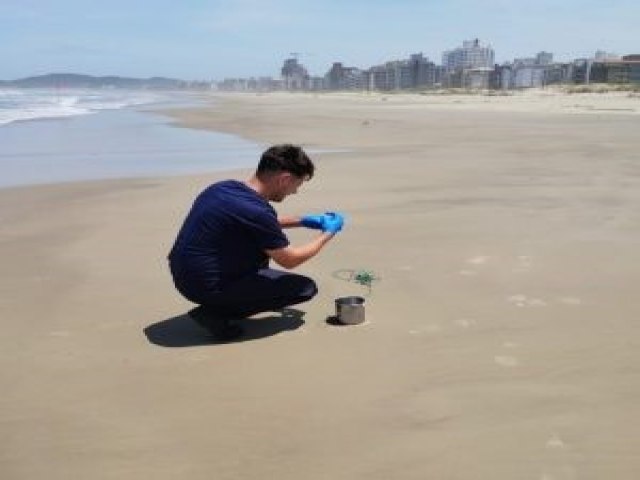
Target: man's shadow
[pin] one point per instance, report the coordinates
(182, 331)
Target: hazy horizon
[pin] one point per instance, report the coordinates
(212, 40)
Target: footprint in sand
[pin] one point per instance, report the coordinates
(557, 468)
(465, 322)
(476, 261)
(524, 301)
(468, 273)
(510, 345)
(479, 260)
(555, 442)
(536, 302)
(506, 361)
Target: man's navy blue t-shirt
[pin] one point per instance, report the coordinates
(224, 237)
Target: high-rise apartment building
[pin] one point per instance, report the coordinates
(340, 77)
(423, 71)
(416, 72)
(394, 75)
(294, 75)
(471, 55)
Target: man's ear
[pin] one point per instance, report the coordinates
(284, 177)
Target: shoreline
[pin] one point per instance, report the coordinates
(123, 143)
(203, 117)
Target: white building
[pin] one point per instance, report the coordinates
(529, 76)
(527, 72)
(471, 55)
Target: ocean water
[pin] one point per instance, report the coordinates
(50, 136)
(30, 104)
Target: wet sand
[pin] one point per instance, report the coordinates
(501, 340)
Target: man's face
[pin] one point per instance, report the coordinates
(285, 184)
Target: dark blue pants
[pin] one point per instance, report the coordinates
(266, 290)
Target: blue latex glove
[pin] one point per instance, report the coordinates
(333, 222)
(313, 221)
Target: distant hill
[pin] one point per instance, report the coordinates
(74, 80)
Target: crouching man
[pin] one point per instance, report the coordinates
(220, 259)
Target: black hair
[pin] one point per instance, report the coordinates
(285, 158)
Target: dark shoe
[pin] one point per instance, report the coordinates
(228, 334)
(220, 329)
(200, 316)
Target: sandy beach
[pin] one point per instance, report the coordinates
(501, 339)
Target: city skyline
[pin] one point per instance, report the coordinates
(198, 40)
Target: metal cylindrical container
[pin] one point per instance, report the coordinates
(350, 310)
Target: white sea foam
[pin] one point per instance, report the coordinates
(21, 105)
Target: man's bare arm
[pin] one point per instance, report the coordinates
(289, 222)
(290, 257)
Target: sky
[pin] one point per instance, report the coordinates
(216, 39)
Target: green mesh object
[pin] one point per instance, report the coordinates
(361, 277)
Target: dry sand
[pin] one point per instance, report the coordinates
(501, 341)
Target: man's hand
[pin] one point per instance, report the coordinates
(313, 221)
(332, 222)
